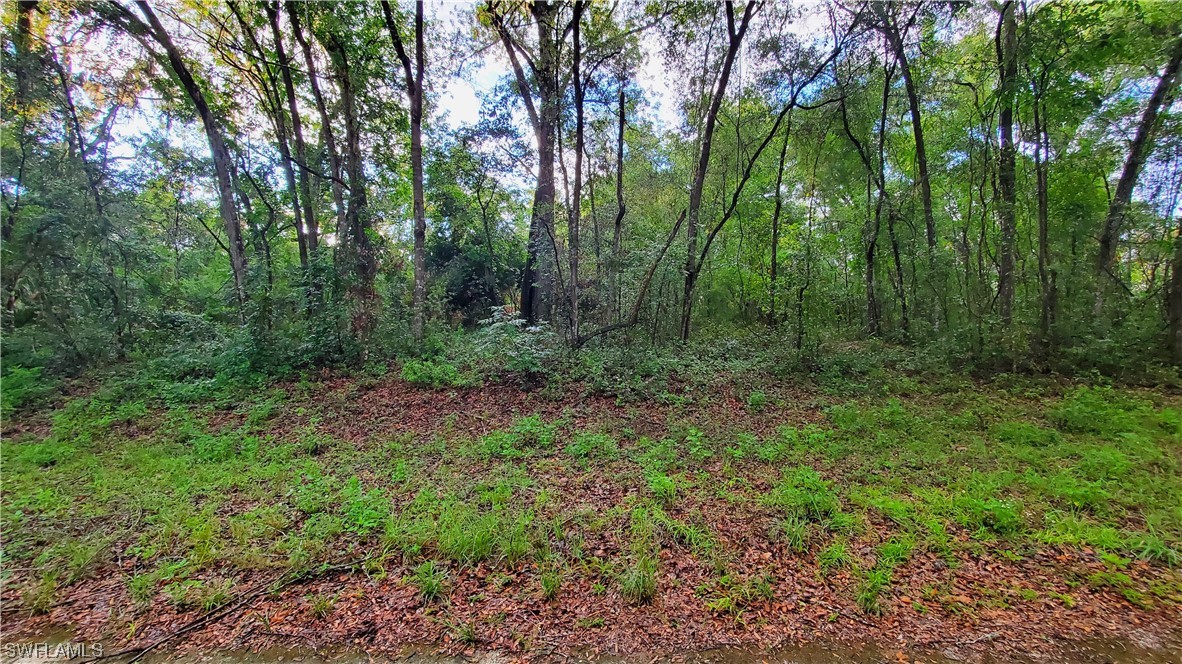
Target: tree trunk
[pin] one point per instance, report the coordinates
(1007, 61)
(735, 39)
(617, 259)
(326, 133)
(895, 36)
(1138, 152)
(775, 267)
(414, 93)
(537, 279)
(1046, 274)
(311, 228)
(1174, 303)
(213, 134)
(577, 198)
(356, 245)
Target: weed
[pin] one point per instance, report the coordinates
(803, 494)
(638, 583)
(587, 445)
(322, 605)
(871, 588)
(431, 580)
(435, 374)
(550, 580)
(795, 532)
(756, 401)
(663, 487)
(40, 597)
(363, 510)
(834, 557)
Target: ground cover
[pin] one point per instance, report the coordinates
(732, 509)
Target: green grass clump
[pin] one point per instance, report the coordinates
(587, 445)
(803, 494)
(322, 605)
(834, 557)
(550, 581)
(638, 583)
(431, 580)
(795, 532)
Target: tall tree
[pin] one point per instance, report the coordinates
(414, 92)
(538, 281)
(1138, 151)
(150, 28)
(735, 31)
(1006, 42)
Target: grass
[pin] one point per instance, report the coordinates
(431, 581)
(194, 490)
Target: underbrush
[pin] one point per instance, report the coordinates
(203, 483)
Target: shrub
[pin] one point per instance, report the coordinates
(756, 401)
(435, 374)
(22, 386)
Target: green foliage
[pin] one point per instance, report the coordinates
(431, 580)
(638, 582)
(756, 401)
(22, 386)
(803, 494)
(834, 557)
(433, 373)
(663, 487)
(363, 511)
(587, 445)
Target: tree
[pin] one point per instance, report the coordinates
(150, 29)
(414, 93)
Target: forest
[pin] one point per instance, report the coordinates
(593, 328)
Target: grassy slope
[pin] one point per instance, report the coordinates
(716, 503)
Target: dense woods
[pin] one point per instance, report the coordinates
(280, 185)
(577, 329)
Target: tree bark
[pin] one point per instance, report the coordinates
(1174, 300)
(775, 267)
(414, 93)
(326, 132)
(537, 279)
(617, 259)
(1046, 274)
(577, 198)
(1007, 62)
(895, 37)
(356, 245)
(311, 229)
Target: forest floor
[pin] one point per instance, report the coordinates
(931, 516)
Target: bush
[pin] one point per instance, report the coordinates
(22, 386)
(435, 374)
